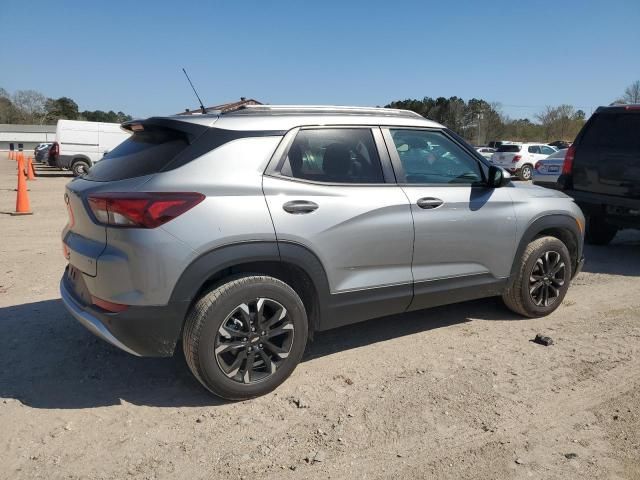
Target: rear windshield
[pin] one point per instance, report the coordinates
(141, 154)
(559, 154)
(619, 130)
(508, 148)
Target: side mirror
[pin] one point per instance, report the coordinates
(497, 177)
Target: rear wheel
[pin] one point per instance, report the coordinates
(542, 280)
(526, 172)
(245, 337)
(598, 231)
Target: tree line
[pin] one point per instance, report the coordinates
(32, 107)
(479, 121)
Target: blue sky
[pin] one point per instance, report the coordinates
(128, 55)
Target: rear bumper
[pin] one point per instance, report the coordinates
(623, 212)
(141, 331)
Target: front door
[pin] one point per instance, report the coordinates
(464, 231)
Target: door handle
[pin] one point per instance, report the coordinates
(299, 206)
(429, 202)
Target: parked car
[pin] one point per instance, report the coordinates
(547, 170)
(560, 144)
(602, 172)
(41, 152)
(241, 234)
(79, 144)
(486, 152)
(520, 158)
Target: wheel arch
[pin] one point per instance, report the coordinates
(292, 263)
(563, 227)
(80, 158)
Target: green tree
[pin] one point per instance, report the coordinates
(61, 108)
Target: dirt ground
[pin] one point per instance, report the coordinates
(454, 392)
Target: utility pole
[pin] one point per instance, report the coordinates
(479, 117)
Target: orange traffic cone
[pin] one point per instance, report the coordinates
(22, 200)
(31, 174)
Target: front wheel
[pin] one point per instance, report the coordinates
(526, 172)
(245, 337)
(542, 279)
(80, 167)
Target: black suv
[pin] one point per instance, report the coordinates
(602, 172)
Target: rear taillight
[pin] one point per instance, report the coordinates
(567, 166)
(538, 165)
(141, 210)
(516, 158)
(54, 150)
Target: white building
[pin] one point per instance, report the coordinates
(25, 136)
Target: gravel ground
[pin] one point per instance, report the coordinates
(453, 392)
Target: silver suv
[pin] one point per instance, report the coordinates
(242, 234)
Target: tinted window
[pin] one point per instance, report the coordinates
(141, 154)
(431, 157)
(534, 149)
(508, 148)
(334, 155)
(613, 130)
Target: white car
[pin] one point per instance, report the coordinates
(486, 152)
(520, 158)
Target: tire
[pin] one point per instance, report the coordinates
(80, 167)
(518, 296)
(598, 231)
(218, 342)
(526, 172)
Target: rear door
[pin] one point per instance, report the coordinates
(607, 158)
(464, 231)
(331, 193)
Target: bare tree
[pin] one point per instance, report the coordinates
(31, 105)
(631, 93)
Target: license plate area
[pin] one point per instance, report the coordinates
(554, 169)
(77, 285)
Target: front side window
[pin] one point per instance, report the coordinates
(431, 157)
(534, 149)
(334, 155)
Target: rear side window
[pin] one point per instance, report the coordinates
(508, 148)
(334, 155)
(534, 149)
(618, 130)
(141, 154)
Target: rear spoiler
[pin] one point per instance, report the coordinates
(189, 129)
